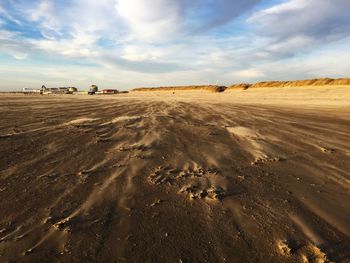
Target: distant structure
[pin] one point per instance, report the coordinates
(59, 90)
(72, 89)
(110, 91)
(93, 89)
(31, 91)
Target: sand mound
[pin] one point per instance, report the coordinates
(261, 148)
(243, 86)
(296, 83)
(210, 88)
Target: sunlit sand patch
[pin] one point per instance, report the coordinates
(95, 196)
(312, 253)
(52, 236)
(121, 119)
(81, 121)
(10, 235)
(243, 132)
(310, 250)
(255, 144)
(306, 253)
(283, 247)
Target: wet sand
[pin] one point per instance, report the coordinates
(186, 177)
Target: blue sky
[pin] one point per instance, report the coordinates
(131, 43)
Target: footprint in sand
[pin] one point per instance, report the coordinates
(135, 147)
(327, 150)
(163, 175)
(196, 183)
(284, 248)
(312, 253)
(305, 253)
(195, 191)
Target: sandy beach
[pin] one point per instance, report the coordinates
(257, 175)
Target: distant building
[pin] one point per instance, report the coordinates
(29, 90)
(110, 91)
(72, 89)
(59, 90)
(93, 89)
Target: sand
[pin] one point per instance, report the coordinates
(256, 175)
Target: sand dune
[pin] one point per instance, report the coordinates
(297, 83)
(244, 86)
(257, 175)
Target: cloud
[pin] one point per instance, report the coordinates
(8, 16)
(160, 20)
(296, 27)
(164, 42)
(248, 74)
(321, 19)
(209, 14)
(166, 20)
(78, 45)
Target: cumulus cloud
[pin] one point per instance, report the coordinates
(160, 20)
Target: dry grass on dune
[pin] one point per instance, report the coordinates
(296, 83)
(212, 88)
(299, 83)
(244, 86)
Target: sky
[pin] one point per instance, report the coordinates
(125, 44)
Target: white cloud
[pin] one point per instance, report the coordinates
(78, 45)
(248, 74)
(159, 20)
(19, 56)
(138, 53)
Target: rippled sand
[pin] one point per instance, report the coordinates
(244, 176)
